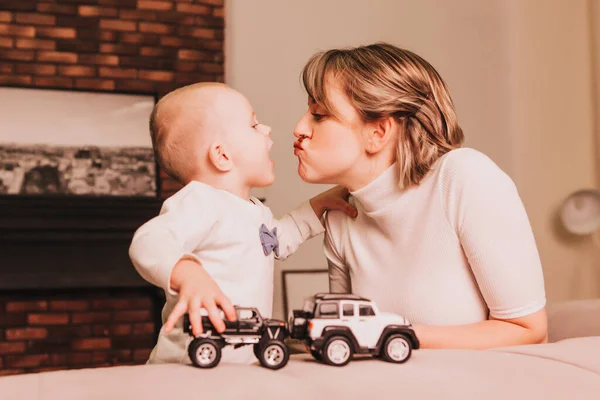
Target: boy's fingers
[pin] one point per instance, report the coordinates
(227, 307)
(179, 309)
(213, 314)
(351, 211)
(344, 206)
(195, 316)
(344, 192)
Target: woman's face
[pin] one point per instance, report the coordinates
(329, 146)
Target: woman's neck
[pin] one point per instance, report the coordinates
(367, 170)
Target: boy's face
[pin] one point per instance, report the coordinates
(250, 142)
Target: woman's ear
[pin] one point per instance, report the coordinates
(380, 133)
(219, 157)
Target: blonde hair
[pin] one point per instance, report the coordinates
(382, 80)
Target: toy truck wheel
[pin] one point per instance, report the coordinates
(337, 351)
(397, 349)
(316, 355)
(204, 352)
(273, 354)
(257, 348)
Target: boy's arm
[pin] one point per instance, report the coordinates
(169, 237)
(303, 223)
(197, 290)
(162, 251)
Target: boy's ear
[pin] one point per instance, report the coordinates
(379, 134)
(219, 157)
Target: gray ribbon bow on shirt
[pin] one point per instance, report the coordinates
(269, 241)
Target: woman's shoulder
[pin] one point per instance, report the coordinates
(467, 174)
(336, 219)
(336, 223)
(468, 165)
(465, 156)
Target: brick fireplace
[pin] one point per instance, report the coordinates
(69, 297)
(60, 329)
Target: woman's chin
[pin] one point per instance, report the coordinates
(303, 173)
(307, 175)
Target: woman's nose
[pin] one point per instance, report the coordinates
(302, 130)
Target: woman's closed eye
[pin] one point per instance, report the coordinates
(318, 117)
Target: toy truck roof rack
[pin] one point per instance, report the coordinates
(339, 296)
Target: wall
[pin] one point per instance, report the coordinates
(498, 59)
(595, 23)
(552, 119)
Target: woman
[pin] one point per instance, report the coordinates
(441, 235)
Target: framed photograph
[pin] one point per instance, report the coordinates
(64, 142)
(297, 285)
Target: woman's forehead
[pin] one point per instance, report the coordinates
(338, 102)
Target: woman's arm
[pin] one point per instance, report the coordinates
(339, 279)
(530, 329)
(484, 208)
(339, 273)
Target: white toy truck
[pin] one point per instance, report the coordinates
(334, 327)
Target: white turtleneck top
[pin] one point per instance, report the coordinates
(452, 250)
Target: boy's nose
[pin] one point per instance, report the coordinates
(266, 129)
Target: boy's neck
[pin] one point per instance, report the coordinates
(225, 182)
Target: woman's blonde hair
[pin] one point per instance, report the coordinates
(382, 80)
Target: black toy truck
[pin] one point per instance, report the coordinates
(266, 335)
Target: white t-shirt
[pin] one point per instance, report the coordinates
(450, 251)
(221, 231)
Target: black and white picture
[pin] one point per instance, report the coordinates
(75, 143)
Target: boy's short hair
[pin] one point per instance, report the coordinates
(171, 146)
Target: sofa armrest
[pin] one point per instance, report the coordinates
(573, 318)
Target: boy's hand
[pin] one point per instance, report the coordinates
(197, 290)
(333, 199)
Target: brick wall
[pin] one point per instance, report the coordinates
(65, 330)
(132, 46)
(138, 46)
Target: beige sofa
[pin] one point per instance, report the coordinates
(566, 369)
